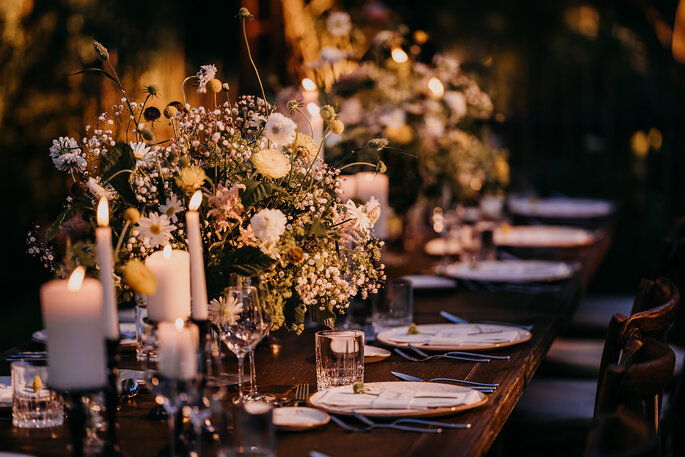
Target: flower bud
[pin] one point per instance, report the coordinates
(131, 215)
(101, 51)
(147, 134)
(151, 113)
(327, 113)
(213, 86)
(170, 111)
(295, 255)
(336, 126)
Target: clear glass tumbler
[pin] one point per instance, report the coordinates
(34, 405)
(254, 431)
(393, 306)
(339, 358)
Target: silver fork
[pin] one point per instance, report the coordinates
(427, 423)
(460, 353)
(301, 394)
(426, 357)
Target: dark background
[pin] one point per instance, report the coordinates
(572, 83)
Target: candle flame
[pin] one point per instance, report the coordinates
(436, 87)
(195, 201)
(399, 56)
(76, 278)
(167, 251)
(179, 323)
(313, 109)
(103, 212)
(308, 85)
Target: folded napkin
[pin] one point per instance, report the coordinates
(460, 336)
(430, 282)
(5, 391)
(388, 399)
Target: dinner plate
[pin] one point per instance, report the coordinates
(542, 236)
(296, 418)
(472, 399)
(440, 247)
(127, 330)
(510, 271)
(560, 207)
(374, 354)
(456, 337)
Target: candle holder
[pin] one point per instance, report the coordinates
(111, 447)
(205, 328)
(77, 417)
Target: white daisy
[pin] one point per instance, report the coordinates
(280, 129)
(206, 73)
(339, 24)
(171, 208)
(155, 229)
(66, 155)
(223, 312)
(142, 153)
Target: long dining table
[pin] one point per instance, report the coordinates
(289, 360)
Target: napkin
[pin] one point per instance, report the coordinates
(388, 399)
(460, 336)
(430, 282)
(5, 391)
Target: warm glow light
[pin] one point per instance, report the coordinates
(369, 177)
(167, 251)
(103, 213)
(399, 56)
(313, 109)
(436, 87)
(308, 84)
(179, 323)
(195, 201)
(76, 278)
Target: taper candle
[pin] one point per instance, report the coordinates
(198, 287)
(103, 241)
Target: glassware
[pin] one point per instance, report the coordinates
(339, 358)
(393, 306)
(254, 427)
(145, 333)
(471, 240)
(241, 327)
(253, 394)
(34, 405)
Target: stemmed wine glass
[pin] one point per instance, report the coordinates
(253, 395)
(241, 327)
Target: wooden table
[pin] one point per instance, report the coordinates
(278, 371)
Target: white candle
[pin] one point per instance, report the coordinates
(72, 314)
(103, 240)
(370, 184)
(198, 286)
(178, 350)
(317, 124)
(348, 187)
(171, 300)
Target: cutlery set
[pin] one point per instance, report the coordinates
(421, 425)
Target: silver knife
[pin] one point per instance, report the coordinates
(452, 318)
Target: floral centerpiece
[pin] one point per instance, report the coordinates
(271, 208)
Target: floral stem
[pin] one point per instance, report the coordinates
(183, 88)
(121, 240)
(311, 127)
(117, 173)
(357, 163)
(249, 55)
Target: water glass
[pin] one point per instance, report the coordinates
(339, 358)
(146, 333)
(393, 306)
(34, 405)
(254, 431)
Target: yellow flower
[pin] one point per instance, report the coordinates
(502, 170)
(270, 163)
(37, 383)
(170, 111)
(190, 178)
(131, 215)
(401, 134)
(336, 126)
(213, 86)
(139, 277)
(304, 145)
(327, 113)
(413, 329)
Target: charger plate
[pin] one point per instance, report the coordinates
(477, 399)
(513, 271)
(391, 337)
(373, 354)
(296, 418)
(542, 236)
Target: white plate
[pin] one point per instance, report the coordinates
(560, 207)
(127, 329)
(295, 418)
(458, 337)
(440, 246)
(374, 354)
(540, 236)
(475, 399)
(510, 271)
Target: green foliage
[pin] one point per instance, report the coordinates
(68, 214)
(325, 317)
(119, 160)
(293, 312)
(246, 261)
(255, 191)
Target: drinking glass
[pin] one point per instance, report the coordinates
(254, 428)
(393, 305)
(242, 327)
(34, 405)
(339, 358)
(471, 241)
(253, 394)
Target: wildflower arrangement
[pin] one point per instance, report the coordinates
(272, 208)
(433, 111)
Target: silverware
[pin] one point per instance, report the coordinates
(460, 353)
(458, 320)
(317, 454)
(427, 357)
(371, 426)
(33, 355)
(301, 394)
(407, 420)
(472, 384)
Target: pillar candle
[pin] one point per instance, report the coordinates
(172, 298)
(370, 184)
(103, 241)
(348, 187)
(178, 350)
(198, 286)
(72, 314)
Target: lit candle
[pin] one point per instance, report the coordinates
(317, 124)
(103, 240)
(178, 350)
(370, 184)
(171, 300)
(198, 286)
(72, 314)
